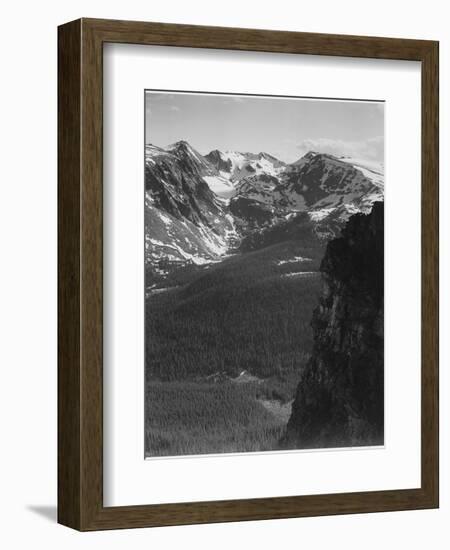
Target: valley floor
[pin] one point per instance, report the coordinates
(211, 418)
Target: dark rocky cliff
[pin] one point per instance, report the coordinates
(340, 397)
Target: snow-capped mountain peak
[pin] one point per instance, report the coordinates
(305, 158)
(236, 165)
(323, 185)
(183, 150)
(197, 207)
(182, 145)
(186, 222)
(371, 169)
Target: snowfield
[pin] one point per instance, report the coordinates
(300, 274)
(221, 186)
(293, 260)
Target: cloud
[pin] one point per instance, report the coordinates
(370, 149)
(174, 108)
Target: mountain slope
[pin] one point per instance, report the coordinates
(324, 180)
(248, 312)
(199, 208)
(328, 188)
(185, 221)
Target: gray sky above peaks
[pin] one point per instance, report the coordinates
(284, 127)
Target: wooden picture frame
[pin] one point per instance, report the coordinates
(80, 271)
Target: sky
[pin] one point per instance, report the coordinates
(284, 127)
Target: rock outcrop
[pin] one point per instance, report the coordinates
(339, 400)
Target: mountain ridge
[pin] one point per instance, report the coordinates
(200, 207)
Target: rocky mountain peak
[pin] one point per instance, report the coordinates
(218, 160)
(305, 158)
(181, 144)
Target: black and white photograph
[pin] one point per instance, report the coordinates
(264, 273)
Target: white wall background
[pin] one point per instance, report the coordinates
(28, 273)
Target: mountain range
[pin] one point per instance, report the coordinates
(200, 209)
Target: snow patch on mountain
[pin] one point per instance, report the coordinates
(220, 185)
(236, 165)
(170, 242)
(300, 274)
(320, 214)
(294, 260)
(372, 170)
(164, 218)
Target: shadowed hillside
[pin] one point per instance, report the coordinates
(339, 398)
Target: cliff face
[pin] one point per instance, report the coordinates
(340, 396)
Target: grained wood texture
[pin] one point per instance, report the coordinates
(80, 403)
(69, 178)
